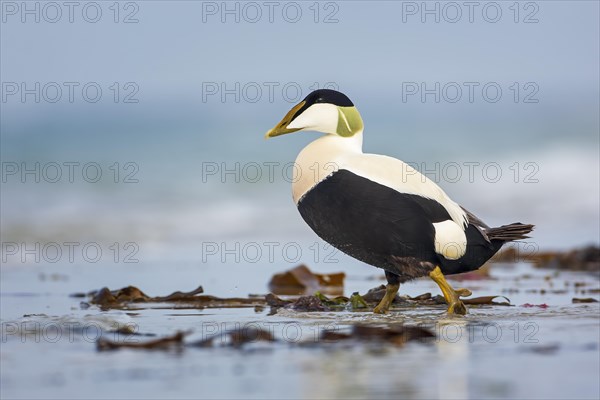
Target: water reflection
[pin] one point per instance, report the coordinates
(453, 355)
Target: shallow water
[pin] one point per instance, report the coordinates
(159, 193)
(49, 351)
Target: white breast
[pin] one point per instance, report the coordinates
(320, 159)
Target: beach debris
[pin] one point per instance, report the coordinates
(421, 297)
(529, 305)
(544, 349)
(584, 300)
(339, 301)
(236, 337)
(375, 295)
(579, 259)
(107, 298)
(301, 280)
(309, 303)
(320, 302)
(131, 296)
(128, 330)
(275, 301)
(487, 300)
(165, 343)
(357, 301)
(304, 303)
(395, 334)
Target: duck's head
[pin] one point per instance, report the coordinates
(323, 110)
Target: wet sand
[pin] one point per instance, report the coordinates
(543, 346)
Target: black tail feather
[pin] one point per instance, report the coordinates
(508, 233)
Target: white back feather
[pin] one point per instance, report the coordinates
(329, 153)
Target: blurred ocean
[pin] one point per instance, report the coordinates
(187, 163)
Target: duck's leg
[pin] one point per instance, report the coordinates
(452, 296)
(391, 290)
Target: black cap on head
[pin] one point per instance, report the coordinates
(328, 96)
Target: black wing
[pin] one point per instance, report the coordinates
(372, 222)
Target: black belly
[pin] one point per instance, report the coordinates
(383, 227)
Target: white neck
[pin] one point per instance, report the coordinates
(342, 144)
(321, 158)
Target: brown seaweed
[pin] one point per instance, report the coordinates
(237, 337)
(301, 280)
(320, 302)
(165, 343)
(131, 295)
(487, 300)
(395, 334)
(584, 300)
